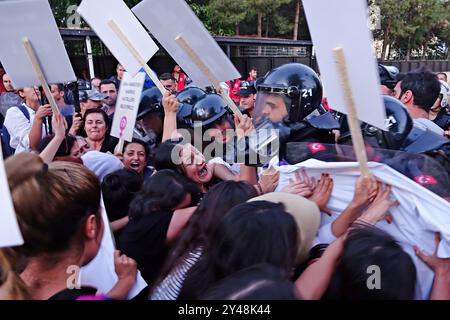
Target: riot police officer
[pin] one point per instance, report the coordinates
(187, 98)
(289, 99)
(388, 79)
(149, 120)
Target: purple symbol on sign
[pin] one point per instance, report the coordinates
(123, 125)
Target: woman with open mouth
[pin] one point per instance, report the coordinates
(187, 160)
(135, 157)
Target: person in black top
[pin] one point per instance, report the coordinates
(156, 216)
(96, 128)
(440, 111)
(119, 188)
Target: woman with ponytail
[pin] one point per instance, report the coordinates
(58, 211)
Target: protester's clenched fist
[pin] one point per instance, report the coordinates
(43, 111)
(243, 125)
(365, 191)
(59, 125)
(378, 210)
(170, 103)
(77, 123)
(126, 267)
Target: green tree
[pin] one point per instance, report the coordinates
(226, 16)
(411, 26)
(266, 9)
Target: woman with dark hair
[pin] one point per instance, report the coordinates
(365, 249)
(58, 211)
(68, 148)
(198, 234)
(157, 215)
(136, 157)
(251, 233)
(118, 189)
(190, 162)
(96, 128)
(258, 282)
(185, 159)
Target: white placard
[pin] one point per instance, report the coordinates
(344, 24)
(98, 13)
(9, 229)
(127, 106)
(32, 19)
(169, 19)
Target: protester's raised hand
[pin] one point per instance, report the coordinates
(126, 267)
(322, 192)
(433, 261)
(43, 111)
(378, 210)
(77, 123)
(299, 186)
(365, 191)
(59, 125)
(170, 103)
(244, 126)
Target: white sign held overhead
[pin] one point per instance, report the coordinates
(346, 27)
(32, 19)
(155, 14)
(9, 229)
(127, 106)
(99, 14)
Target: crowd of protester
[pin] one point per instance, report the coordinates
(199, 225)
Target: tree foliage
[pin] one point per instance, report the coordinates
(408, 28)
(413, 28)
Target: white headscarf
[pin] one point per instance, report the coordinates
(101, 163)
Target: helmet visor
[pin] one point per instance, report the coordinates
(270, 106)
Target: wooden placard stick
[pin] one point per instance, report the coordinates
(207, 72)
(39, 73)
(352, 115)
(119, 147)
(119, 33)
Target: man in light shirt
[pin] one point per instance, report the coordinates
(27, 133)
(418, 91)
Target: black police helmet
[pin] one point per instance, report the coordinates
(399, 125)
(299, 84)
(151, 101)
(190, 95)
(388, 75)
(208, 109)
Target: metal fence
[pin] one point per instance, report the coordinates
(433, 65)
(245, 53)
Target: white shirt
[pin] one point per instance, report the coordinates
(19, 128)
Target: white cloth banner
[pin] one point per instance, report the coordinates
(419, 216)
